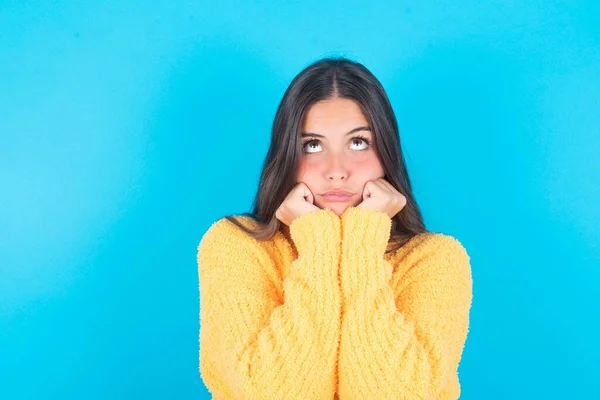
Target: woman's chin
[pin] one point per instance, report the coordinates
(338, 208)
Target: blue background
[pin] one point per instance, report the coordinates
(126, 130)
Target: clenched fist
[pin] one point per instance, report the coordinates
(297, 203)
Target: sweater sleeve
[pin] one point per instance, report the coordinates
(259, 343)
(404, 344)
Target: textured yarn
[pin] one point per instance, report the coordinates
(321, 312)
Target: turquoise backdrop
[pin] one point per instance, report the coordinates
(127, 128)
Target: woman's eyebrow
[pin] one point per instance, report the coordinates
(360, 128)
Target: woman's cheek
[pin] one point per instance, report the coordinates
(306, 167)
(371, 166)
(301, 168)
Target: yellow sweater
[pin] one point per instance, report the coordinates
(326, 314)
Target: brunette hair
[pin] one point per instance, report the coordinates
(327, 78)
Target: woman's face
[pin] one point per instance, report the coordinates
(339, 153)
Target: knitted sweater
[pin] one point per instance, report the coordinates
(323, 313)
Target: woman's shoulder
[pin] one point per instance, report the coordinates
(224, 235)
(432, 255)
(224, 229)
(226, 245)
(434, 244)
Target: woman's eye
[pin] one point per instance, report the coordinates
(312, 146)
(309, 146)
(361, 141)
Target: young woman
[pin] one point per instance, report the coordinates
(332, 287)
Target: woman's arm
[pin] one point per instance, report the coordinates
(258, 343)
(407, 348)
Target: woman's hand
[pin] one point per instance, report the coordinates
(297, 203)
(380, 195)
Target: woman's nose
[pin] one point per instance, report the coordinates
(337, 168)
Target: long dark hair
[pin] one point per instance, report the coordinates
(327, 78)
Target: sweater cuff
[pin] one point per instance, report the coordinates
(317, 231)
(365, 235)
(366, 230)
